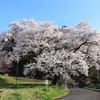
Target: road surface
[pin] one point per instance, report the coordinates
(81, 94)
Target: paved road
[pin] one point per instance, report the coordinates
(81, 94)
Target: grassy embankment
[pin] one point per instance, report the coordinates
(28, 89)
(93, 89)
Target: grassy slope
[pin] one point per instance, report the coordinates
(94, 89)
(28, 89)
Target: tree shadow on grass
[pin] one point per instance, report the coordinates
(19, 86)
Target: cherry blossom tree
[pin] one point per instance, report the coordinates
(56, 50)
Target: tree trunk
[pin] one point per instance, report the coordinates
(57, 80)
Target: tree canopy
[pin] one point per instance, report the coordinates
(54, 49)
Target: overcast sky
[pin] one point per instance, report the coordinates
(61, 12)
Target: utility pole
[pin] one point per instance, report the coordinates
(65, 87)
(16, 73)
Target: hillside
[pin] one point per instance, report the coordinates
(28, 89)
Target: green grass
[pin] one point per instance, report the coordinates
(94, 89)
(28, 89)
